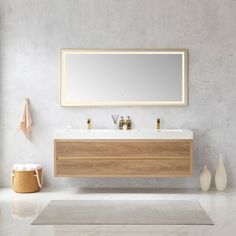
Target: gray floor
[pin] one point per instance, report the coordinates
(123, 212)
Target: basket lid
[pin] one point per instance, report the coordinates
(26, 167)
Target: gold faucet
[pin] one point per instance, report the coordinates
(158, 123)
(89, 124)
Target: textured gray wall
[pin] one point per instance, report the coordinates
(32, 32)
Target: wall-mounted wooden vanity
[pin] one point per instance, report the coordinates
(114, 153)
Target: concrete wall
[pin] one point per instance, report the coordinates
(31, 34)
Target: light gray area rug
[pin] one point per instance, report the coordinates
(122, 212)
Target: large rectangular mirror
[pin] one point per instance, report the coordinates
(124, 77)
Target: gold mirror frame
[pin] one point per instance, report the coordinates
(183, 102)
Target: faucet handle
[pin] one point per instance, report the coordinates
(158, 123)
(89, 123)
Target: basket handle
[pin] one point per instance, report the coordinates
(38, 180)
(12, 176)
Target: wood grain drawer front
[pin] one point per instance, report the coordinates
(123, 158)
(123, 149)
(91, 167)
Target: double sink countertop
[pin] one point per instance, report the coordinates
(123, 134)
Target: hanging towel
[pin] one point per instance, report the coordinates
(26, 120)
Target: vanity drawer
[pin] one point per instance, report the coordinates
(123, 148)
(122, 167)
(143, 158)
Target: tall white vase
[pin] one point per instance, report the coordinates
(205, 179)
(220, 177)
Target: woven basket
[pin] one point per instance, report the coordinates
(27, 181)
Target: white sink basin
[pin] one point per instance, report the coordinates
(123, 134)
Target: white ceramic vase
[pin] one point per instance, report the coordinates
(220, 176)
(205, 179)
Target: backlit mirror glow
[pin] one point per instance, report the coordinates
(123, 77)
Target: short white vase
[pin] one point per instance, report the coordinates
(220, 176)
(205, 179)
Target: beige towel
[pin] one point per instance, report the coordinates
(26, 120)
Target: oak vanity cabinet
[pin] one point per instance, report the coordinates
(123, 157)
